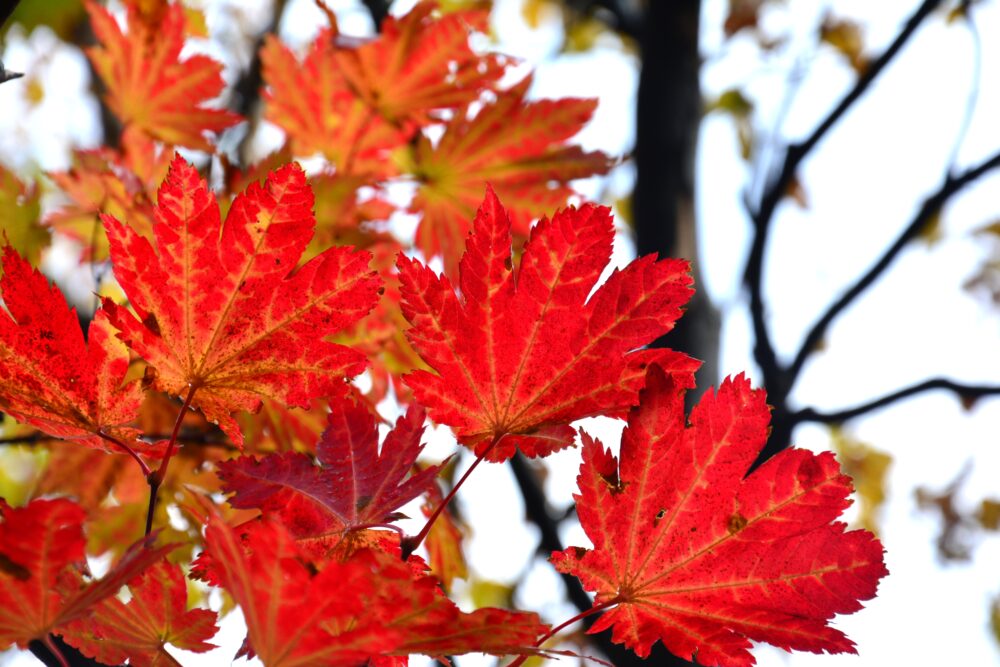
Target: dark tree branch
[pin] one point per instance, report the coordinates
(775, 190)
(966, 392)
(7, 8)
(931, 207)
(379, 10)
(246, 92)
(621, 18)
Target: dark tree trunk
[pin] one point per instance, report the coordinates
(667, 120)
(668, 115)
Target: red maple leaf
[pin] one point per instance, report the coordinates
(355, 486)
(41, 558)
(50, 377)
(690, 551)
(149, 86)
(222, 310)
(521, 354)
(138, 630)
(370, 605)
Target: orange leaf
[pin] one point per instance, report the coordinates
(148, 84)
(520, 355)
(419, 64)
(223, 310)
(49, 376)
(139, 630)
(690, 551)
(41, 557)
(356, 103)
(518, 147)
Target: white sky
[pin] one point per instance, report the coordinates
(864, 183)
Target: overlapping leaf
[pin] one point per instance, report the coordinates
(139, 630)
(223, 311)
(119, 183)
(41, 557)
(689, 552)
(519, 147)
(370, 605)
(520, 355)
(149, 85)
(49, 376)
(355, 485)
(312, 102)
(420, 64)
(356, 103)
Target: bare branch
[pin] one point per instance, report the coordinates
(930, 208)
(966, 392)
(764, 352)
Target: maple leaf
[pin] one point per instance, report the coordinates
(355, 486)
(149, 86)
(516, 146)
(122, 184)
(50, 377)
(420, 64)
(356, 103)
(41, 556)
(521, 354)
(690, 551)
(372, 604)
(312, 102)
(223, 311)
(139, 630)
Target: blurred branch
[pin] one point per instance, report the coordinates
(930, 208)
(777, 379)
(778, 186)
(246, 91)
(379, 10)
(622, 18)
(968, 393)
(7, 8)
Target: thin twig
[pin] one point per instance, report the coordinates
(411, 544)
(764, 351)
(155, 478)
(966, 392)
(126, 449)
(930, 208)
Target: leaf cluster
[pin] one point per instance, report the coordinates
(243, 315)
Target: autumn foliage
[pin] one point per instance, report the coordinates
(212, 406)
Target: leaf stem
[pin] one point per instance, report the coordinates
(155, 478)
(128, 450)
(411, 544)
(556, 630)
(51, 645)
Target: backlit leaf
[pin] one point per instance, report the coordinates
(222, 308)
(149, 85)
(516, 146)
(689, 552)
(49, 376)
(521, 354)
